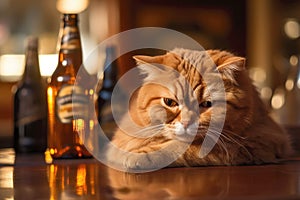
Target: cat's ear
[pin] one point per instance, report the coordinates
(150, 66)
(148, 59)
(154, 67)
(234, 63)
(169, 59)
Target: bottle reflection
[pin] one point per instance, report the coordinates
(73, 181)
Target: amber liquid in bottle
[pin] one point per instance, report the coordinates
(64, 130)
(30, 105)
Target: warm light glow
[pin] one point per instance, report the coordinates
(289, 84)
(6, 177)
(91, 92)
(71, 6)
(266, 93)
(292, 29)
(52, 151)
(48, 63)
(78, 125)
(12, 65)
(49, 92)
(92, 124)
(60, 79)
(293, 60)
(258, 74)
(278, 99)
(51, 104)
(81, 185)
(7, 156)
(48, 157)
(52, 173)
(64, 63)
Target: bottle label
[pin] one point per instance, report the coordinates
(70, 39)
(71, 103)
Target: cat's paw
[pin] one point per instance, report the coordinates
(144, 161)
(140, 162)
(133, 162)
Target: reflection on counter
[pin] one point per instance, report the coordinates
(211, 182)
(32, 178)
(6, 183)
(72, 179)
(67, 181)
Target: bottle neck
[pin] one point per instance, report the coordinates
(70, 42)
(32, 67)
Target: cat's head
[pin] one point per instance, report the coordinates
(186, 90)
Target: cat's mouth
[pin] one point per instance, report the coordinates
(185, 138)
(185, 133)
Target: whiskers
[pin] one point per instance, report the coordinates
(148, 132)
(225, 140)
(229, 142)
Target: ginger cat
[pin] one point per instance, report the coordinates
(185, 120)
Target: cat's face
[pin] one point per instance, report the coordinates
(171, 106)
(180, 94)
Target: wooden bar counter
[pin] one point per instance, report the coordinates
(29, 177)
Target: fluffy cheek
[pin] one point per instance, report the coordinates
(237, 119)
(204, 119)
(157, 114)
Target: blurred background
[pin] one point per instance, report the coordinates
(266, 32)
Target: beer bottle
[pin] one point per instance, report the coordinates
(30, 106)
(108, 84)
(65, 99)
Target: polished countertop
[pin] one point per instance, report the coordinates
(29, 177)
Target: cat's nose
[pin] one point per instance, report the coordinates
(185, 124)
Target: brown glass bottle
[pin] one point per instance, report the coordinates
(64, 129)
(110, 76)
(30, 105)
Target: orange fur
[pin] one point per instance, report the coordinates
(249, 135)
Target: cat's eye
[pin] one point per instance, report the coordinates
(170, 102)
(206, 104)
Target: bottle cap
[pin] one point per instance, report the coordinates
(71, 6)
